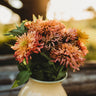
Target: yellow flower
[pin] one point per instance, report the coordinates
(82, 36)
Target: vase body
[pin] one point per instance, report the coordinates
(40, 88)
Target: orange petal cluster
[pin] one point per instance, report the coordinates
(25, 45)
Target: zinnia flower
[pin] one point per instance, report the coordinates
(70, 35)
(82, 36)
(25, 45)
(68, 55)
(49, 30)
(51, 33)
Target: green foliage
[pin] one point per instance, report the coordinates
(40, 68)
(61, 73)
(19, 31)
(43, 69)
(21, 78)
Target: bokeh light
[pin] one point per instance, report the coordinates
(16, 3)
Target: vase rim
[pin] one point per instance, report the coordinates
(49, 82)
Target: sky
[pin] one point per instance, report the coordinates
(67, 9)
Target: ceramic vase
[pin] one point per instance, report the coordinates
(42, 88)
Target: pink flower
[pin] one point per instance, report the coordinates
(69, 56)
(71, 35)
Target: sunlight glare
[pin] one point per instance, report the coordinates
(67, 9)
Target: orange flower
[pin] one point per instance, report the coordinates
(82, 47)
(82, 36)
(25, 45)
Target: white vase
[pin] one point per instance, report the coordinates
(42, 88)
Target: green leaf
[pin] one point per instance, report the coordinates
(21, 66)
(43, 54)
(22, 26)
(38, 74)
(51, 63)
(17, 27)
(61, 73)
(15, 84)
(21, 78)
(7, 34)
(19, 31)
(15, 32)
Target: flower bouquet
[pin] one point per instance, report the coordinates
(45, 50)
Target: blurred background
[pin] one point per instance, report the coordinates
(80, 14)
